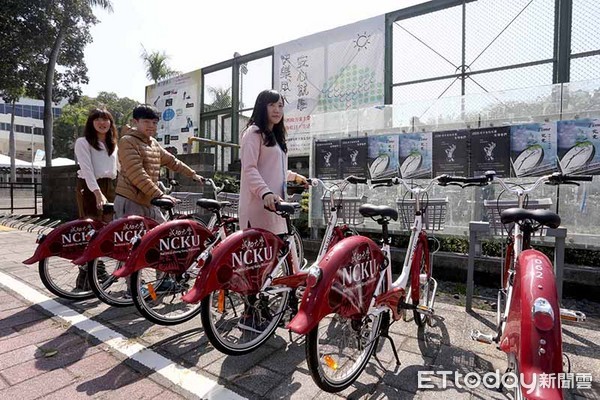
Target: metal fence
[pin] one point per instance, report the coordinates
(20, 198)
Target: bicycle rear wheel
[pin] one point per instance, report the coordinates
(338, 349)
(158, 296)
(64, 279)
(107, 287)
(225, 317)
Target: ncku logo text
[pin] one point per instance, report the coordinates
(253, 252)
(128, 232)
(76, 236)
(362, 268)
(180, 239)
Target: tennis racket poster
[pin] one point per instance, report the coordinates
(327, 153)
(578, 146)
(383, 156)
(490, 151)
(415, 155)
(451, 153)
(533, 149)
(353, 157)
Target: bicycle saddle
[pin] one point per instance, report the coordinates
(212, 205)
(371, 210)
(544, 217)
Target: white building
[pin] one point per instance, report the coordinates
(29, 122)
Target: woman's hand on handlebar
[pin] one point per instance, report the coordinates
(269, 201)
(301, 180)
(199, 178)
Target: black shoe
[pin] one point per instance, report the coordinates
(81, 283)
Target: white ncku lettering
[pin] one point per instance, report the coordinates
(178, 242)
(126, 236)
(357, 273)
(251, 256)
(77, 237)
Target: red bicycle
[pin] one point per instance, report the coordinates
(529, 315)
(252, 278)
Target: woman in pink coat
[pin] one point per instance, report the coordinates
(264, 160)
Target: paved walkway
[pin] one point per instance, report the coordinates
(50, 348)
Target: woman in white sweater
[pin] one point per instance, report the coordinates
(96, 155)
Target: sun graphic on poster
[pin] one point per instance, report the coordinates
(362, 41)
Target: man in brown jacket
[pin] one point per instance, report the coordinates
(141, 157)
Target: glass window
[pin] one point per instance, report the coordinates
(27, 111)
(255, 76)
(18, 110)
(2, 108)
(38, 131)
(217, 90)
(8, 108)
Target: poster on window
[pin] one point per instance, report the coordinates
(415, 155)
(336, 70)
(579, 146)
(383, 156)
(533, 149)
(490, 151)
(327, 162)
(451, 153)
(177, 102)
(353, 157)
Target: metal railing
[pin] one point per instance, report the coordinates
(23, 197)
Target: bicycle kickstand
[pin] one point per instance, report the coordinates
(385, 333)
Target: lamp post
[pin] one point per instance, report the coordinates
(32, 154)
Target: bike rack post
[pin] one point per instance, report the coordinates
(559, 235)
(476, 230)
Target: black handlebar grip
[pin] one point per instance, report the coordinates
(356, 179)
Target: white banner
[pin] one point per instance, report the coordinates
(177, 100)
(335, 70)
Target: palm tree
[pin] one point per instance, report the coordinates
(221, 96)
(156, 65)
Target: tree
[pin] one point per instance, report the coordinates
(156, 65)
(221, 96)
(121, 108)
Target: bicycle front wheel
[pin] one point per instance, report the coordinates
(158, 296)
(107, 287)
(421, 282)
(338, 349)
(64, 279)
(236, 324)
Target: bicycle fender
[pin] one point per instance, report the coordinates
(241, 263)
(68, 240)
(169, 247)
(114, 240)
(521, 337)
(350, 272)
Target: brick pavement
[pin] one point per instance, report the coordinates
(45, 357)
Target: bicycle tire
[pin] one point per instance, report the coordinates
(299, 246)
(152, 307)
(227, 336)
(108, 288)
(318, 369)
(59, 276)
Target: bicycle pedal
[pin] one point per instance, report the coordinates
(421, 309)
(482, 337)
(572, 315)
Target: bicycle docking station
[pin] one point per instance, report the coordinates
(480, 229)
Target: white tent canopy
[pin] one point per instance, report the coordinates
(56, 162)
(5, 162)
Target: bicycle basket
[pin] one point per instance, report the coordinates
(232, 209)
(349, 213)
(187, 204)
(493, 208)
(435, 213)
